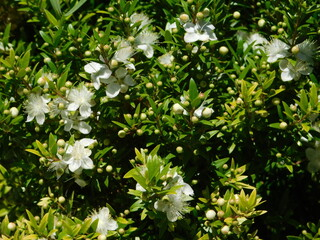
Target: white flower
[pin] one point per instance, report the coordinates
(145, 40)
(123, 53)
(7, 48)
(80, 98)
(306, 51)
(171, 26)
(75, 121)
(58, 166)
(36, 107)
(166, 59)
(140, 18)
(175, 205)
(118, 83)
(276, 49)
(202, 31)
(58, 106)
(98, 72)
(290, 71)
(45, 79)
(257, 40)
(313, 156)
(105, 222)
(77, 156)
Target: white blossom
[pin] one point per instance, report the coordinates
(58, 106)
(175, 205)
(257, 41)
(145, 40)
(290, 71)
(105, 221)
(202, 31)
(36, 107)
(80, 98)
(77, 156)
(118, 83)
(74, 121)
(123, 53)
(140, 18)
(276, 49)
(306, 51)
(171, 26)
(98, 71)
(166, 59)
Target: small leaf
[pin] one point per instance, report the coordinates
(75, 8)
(56, 6)
(193, 91)
(51, 18)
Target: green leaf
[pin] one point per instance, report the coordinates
(56, 6)
(75, 8)
(42, 149)
(53, 147)
(24, 61)
(193, 91)
(219, 163)
(35, 152)
(6, 35)
(313, 96)
(51, 18)
(303, 101)
(46, 37)
(43, 224)
(293, 238)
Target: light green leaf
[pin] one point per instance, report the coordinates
(75, 8)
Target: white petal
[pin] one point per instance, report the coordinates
(191, 37)
(287, 75)
(128, 80)
(112, 224)
(109, 80)
(283, 64)
(87, 141)
(85, 110)
(74, 165)
(112, 90)
(149, 52)
(73, 106)
(30, 118)
(84, 128)
(93, 67)
(121, 72)
(87, 163)
(40, 118)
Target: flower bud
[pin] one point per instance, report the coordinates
(177, 108)
(61, 199)
(236, 15)
(225, 230)
(295, 49)
(11, 226)
(223, 50)
(207, 112)
(210, 214)
(220, 201)
(283, 125)
(184, 17)
(121, 133)
(261, 23)
(109, 168)
(14, 112)
(179, 149)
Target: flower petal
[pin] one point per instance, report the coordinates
(93, 67)
(112, 90)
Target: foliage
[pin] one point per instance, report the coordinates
(155, 119)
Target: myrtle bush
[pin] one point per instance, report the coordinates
(159, 119)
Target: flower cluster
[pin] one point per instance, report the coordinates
(105, 221)
(302, 64)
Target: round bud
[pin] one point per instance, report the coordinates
(276, 101)
(236, 15)
(185, 58)
(99, 170)
(194, 182)
(179, 149)
(87, 53)
(210, 214)
(221, 201)
(177, 108)
(102, 237)
(42, 81)
(283, 125)
(131, 38)
(109, 168)
(124, 88)
(220, 214)
(194, 119)
(295, 49)
(121, 133)
(225, 166)
(200, 15)
(121, 231)
(225, 230)
(261, 23)
(184, 17)
(114, 63)
(61, 143)
(223, 50)
(149, 85)
(47, 59)
(157, 131)
(274, 28)
(41, 181)
(61, 151)
(14, 112)
(206, 12)
(173, 79)
(110, 9)
(139, 132)
(207, 112)
(278, 155)
(61, 199)
(11, 226)
(280, 30)
(258, 103)
(143, 116)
